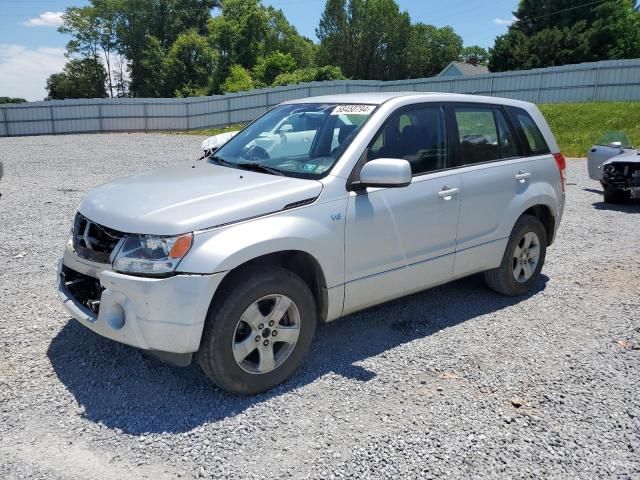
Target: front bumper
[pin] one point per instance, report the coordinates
(158, 314)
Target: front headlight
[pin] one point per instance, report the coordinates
(152, 254)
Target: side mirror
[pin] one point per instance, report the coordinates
(386, 172)
(286, 128)
(615, 145)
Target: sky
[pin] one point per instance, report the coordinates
(31, 49)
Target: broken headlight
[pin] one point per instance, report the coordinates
(151, 254)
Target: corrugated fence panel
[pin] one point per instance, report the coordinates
(123, 110)
(620, 76)
(599, 81)
(576, 78)
(432, 86)
(512, 83)
(362, 86)
(76, 112)
(3, 123)
(574, 94)
(290, 92)
(29, 114)
(123, 124)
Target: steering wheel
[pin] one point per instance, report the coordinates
(256, 153)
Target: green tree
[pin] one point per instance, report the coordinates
(310, 74)
(283, 37)
(367, 39)
(164, 20)
(475, 54)
(558, 32)
(247, 31)
(333, 33)
(190, 64)
(238, 80)
(92, 36)
(150, 78)
(277, 63)
(78, 79)
(431, 49)
(12, 100)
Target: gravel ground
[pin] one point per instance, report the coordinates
(455, 382)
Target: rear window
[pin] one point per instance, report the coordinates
(531, 133)
(484, 135)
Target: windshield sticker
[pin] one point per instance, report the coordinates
(353, 110)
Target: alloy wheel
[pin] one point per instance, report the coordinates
(526, 257)
(266, 334)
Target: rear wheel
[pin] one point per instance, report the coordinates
(258, 331)
(523, 258)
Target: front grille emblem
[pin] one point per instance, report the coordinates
(92, 241)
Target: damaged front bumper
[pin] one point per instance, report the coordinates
(154, 314)
(622, 176)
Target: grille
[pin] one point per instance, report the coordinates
(92, 241)
(84, 289)
(622, 174)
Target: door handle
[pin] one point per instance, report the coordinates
(522, 176)
(448, 192)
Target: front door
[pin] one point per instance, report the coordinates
(402, 240)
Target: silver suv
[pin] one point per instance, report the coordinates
(367, 198)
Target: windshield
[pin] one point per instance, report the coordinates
(299, 140)
(613, 137)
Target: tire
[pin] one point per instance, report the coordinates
(253, 295)
(503, 279)
(614, 196)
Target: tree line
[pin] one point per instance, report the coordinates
(180, 48)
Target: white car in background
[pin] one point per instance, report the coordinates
(211, 144)
(615, 163)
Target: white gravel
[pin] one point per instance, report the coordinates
(456, 382)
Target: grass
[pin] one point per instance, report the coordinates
(576, 126)
(209, 132)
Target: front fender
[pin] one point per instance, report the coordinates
(317, 229)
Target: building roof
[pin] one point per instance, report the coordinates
(466, 69)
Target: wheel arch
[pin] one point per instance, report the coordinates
(302, 263)
(545, 215)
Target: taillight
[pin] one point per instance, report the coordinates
(562, 166)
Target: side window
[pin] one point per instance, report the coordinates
(484, 135)
(531, 133)
(506, 137)
(417, 135)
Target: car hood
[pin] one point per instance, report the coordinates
(191, 197)
(631, 156)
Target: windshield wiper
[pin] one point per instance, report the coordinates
(222, 161)
(257, 167)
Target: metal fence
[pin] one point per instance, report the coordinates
(587, 82)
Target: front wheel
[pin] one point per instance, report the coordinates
(258, 330)
(523, 259)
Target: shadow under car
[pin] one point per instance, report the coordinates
(122, 388)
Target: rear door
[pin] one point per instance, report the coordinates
(492, 174)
